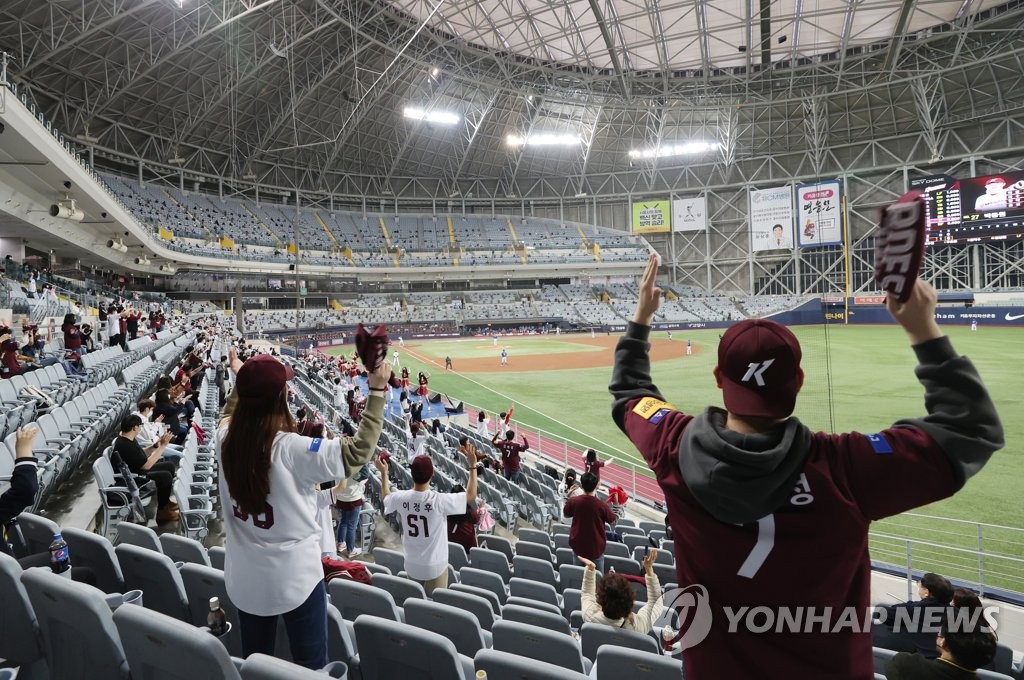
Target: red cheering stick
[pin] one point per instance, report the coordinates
(899, 245)
(508, 415)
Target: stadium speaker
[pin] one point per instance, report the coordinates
(67, 210)
(117, 245)
(141, 260)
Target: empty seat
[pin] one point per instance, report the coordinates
(160, 647)
(79, 637)
(571, 576)
(37, 531)
(535, 536)
(566, 556)
(535, 550)
(505, 666)
(95, 552)
(392, 559)
(21, 639)
(156, 576)
(502, 545)
(201, 583)
(535, 617)
(135, 534)
(623, 565)
(263, 667)
(476, 605)
(616, 663)
(572, 601)
(533, 604)
(540, 644)
(487, 580)
(613, 549)
(401, 589)
(595, 635)
(560, 541)
(490, 560)
(389, 650)
(533, 590)
(534, 569)
(664, 556)
(459, 626)
(354, 599)
(183, 549)
(457, 557)
(216, 555)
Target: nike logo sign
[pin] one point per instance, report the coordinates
(1014, 317)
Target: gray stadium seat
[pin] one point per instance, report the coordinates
(505, 666)
(216, 555)
(38, 532)
(156, 576)
(392, 559)
(459, 626)
(80, 640)
(201, 583)
(135, 534)
(263, 667)
(341, 640)
(480, 607)
(502, 545)
(560, 541)
(616, 663)
(401, 589)
(571, 576)
(534, 569)
(881, 657)
(95, 552)
(535, 617)
(594, 635)
(21, 640)
(534, 550)
(533, 604)
(160, 647)
(623, 565)
(572, 601)
(535, 536)
(542, 592)
(613, 549)
(664, 556)
(457, 557)
(487, 580)
(377, 568)
(490, 560)
(540, 644)
(354, 599)
(184, 549)
(482, 593)
(565, 556)
(389, 650)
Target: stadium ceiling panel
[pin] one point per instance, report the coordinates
(311, 93)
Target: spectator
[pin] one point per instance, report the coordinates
(510, 455)
(462, 528)
(436, 428)
(163, 408)
(589, 514)
(220, 378)
(32, 289)
(147, 462)
(348, 499)
(612, 604)
(24, 485)
(423, 517)
(965, 644)
(592, 464)
(72, 335)
(267, 471)
(906, 627)
(481, 424)
(417, 442)
(153, 430)
(753, 469)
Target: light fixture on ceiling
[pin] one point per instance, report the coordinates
(169, 269)
(545, 139)
(434, 72)
(118, 245)
(175, 159)
(678, 149)
(438, 117)
(142, 260)
(67, 209)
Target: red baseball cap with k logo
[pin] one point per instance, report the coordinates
(759, 363)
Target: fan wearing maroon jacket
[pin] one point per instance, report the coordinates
(588, 536)
(766, 513)
(510, 454)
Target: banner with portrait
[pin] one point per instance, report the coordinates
(771, 219)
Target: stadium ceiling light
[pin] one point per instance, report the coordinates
(545, 139)
(439, 117)
(680, 149)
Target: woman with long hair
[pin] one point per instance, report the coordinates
(268, 475)
(592, 464)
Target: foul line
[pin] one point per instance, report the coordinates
(516, 402)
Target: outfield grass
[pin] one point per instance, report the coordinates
(857, 378)
(476, 348)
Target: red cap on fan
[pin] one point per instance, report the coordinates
(759, 366)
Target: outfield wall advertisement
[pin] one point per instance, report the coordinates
(652, 217)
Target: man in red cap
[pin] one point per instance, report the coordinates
(769, 516)
(423, 515)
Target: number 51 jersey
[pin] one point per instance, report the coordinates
(424, 520)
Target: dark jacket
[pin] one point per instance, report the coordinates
(924, 616)
(21, 494)
(753, 515)
(905, 666)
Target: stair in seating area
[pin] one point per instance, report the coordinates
(327, 229)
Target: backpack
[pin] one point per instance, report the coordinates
(353, 571)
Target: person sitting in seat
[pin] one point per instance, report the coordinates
(612, 604)
(147, 462)
(905, 627)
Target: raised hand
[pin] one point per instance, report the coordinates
(649, 560)
(378, 380)
(590, 566)
(650, 295)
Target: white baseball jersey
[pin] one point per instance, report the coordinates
(417, 447)
(424, 521)
(272, 560)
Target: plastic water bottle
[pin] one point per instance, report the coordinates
(60, 558)
(216, 621)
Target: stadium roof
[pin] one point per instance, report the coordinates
(311, 93)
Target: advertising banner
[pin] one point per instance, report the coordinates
(771, 219)
(651, 217)
(690, 214)
(819, 209)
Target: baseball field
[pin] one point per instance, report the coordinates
(857, 378)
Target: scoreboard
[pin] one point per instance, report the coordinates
(973, 209)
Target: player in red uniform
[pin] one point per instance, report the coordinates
(422, 389)
(767, 514)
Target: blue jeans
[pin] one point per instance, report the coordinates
(514, 477)
(348, 524)
(306, 626)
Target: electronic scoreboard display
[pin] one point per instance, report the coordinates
(974, 209)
